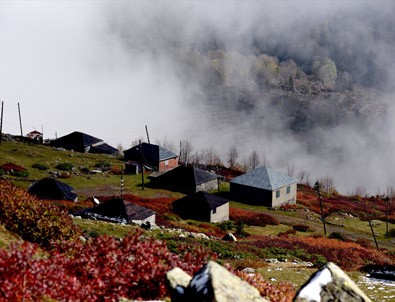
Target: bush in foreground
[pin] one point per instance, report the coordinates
(104, 269)
(107, 269)
(34, 220)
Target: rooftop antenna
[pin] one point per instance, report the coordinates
(146, 130)
(20, 120)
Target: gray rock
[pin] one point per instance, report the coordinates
(229, 237)
(248, 270)
(201, 236)
(215, 283)
(177, 277)
(330, 283)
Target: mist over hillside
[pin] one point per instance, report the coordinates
(308, 84)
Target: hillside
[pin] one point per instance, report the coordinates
(294, 233)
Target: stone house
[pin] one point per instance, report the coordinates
(185, 179)
(264, 186)
(202, 206)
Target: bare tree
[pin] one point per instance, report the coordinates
(389, 206)
(303, 177)
(290, 170)
(137, 141)
(359, 191)
(253, 160)
(167, 144)
(120, 149)
(265, 160)
(185, 151)
(211, 157)
(197, 158)
(244, 165)
(233, 154)
(327, 185)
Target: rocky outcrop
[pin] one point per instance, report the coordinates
(330, 283)
(211, 283)
(215, 283)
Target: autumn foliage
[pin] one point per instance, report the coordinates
(252, 218)
(34, 220)
(362, 207)
(104, 269)
(348, 255)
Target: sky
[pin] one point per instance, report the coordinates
(108, 68)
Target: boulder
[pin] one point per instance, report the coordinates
(330, 283)
(212, 283)
(229, 237)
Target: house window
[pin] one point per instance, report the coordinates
(277, 193)
(288, 189)
(166, 162)
(214, 210)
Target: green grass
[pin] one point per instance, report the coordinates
(103, 183)
(6, 237)
(94, 228)
(28, 154)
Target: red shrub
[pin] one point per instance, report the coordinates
(32, 219)
(251, 217)
(105, 269)
(347, 255)
(281, 292)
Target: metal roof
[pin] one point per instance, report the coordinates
(165, 154)
(264, 178)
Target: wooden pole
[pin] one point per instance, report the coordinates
(1, 122)
(374, 235)
(142, 166)
(121, 184)
(317, 187)
(146, 130)
(389, 202)
(20, 119)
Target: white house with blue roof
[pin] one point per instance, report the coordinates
(264, 186)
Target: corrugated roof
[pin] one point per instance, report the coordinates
(264, 178)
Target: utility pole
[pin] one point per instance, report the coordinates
(1, 122)
(121, 184)
(146, 130)
(142, 165)
(317, 187)
(20, 120)
(374, 235)
(218, 181)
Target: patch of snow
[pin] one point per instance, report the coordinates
(312, 291)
